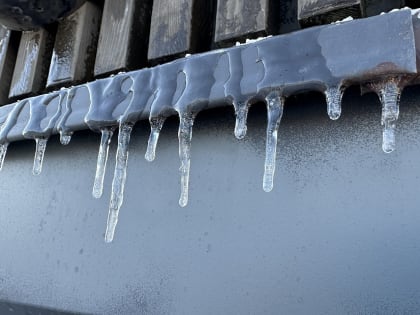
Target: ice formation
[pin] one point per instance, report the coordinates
(241, 76)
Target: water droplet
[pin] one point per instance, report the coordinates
(98, 185)
(41, 145)
(118, 182)
(275, 105)
(156, 125)
(185, 136)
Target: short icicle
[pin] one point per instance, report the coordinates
(98, 185)
(334, 95)
(185, 135)
(67, 96)
(156, 125)
(3, 151)
(120, 175)
(275, 104)
(241, 112)
(41, 145)
(65, 138)
(389, 92)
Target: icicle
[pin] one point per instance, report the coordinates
(65, 138)
(98, 185)
(3, 151)
(41, 145)
(185, 136)
(120, 175)
(156, 125)
(65, 133)
(241, 112)
(334, 95)
(275, 104)
(389, 94)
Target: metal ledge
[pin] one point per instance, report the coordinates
(318, 58)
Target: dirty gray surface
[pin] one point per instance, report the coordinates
(339, 234)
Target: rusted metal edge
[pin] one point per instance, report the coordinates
(313, 59)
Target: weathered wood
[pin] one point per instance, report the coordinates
(8, 52)
(313, 12)
(75, 45)
(32, 63)
(237, 20)
(179, 27)
(124, 36)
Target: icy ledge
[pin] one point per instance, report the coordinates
(378, 52)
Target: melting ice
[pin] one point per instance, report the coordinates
(389, 93)
(41, 145)
(275, 103)
(118, 182)
(98, 185)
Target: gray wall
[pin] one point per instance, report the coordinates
(339, 234)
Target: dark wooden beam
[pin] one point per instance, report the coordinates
(75, 45)
(179, 27)
(412, 3)
(375, 7)
(288, 16)
(124, 35)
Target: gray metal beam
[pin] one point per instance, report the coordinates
(312, 59)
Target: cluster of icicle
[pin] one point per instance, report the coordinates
(182, 88)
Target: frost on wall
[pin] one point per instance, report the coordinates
(326, 59)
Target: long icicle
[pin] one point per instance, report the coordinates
(185, 135)
(41, 145)
(156, 125)
(120, 175)
(275, 105)
(98, 184)
(389, 92)
(3, 151)
(241, 112)
(334, 95)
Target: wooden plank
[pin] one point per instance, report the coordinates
(75, 46)
(179, 27)
(32, 63)
(124, 35)
(8, 52)
(313, 12)
(237, 20)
